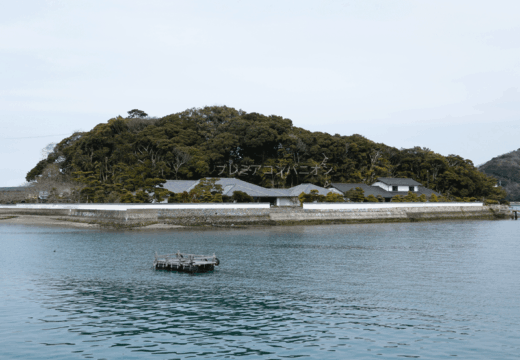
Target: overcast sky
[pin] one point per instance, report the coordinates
(438, 74)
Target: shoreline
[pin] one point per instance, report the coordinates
(100, 223)
(45, 220)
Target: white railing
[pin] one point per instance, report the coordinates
(390, 205)
(124, 207)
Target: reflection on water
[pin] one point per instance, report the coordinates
(427, 290)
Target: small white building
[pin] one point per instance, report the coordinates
(397, 184)
(387, 188)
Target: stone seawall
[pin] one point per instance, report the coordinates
(266, 216)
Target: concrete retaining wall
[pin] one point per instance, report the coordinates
(232, 214)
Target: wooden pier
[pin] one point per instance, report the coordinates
(185, 262)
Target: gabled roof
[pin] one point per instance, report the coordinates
(398, 181)
(229, 185)
(179, 186)
(369, 190)
(376, 190)
(306, 188)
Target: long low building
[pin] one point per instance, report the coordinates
(278, 197)
(387, 188)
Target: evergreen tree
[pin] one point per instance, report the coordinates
(397, 198)
(371, 198)
(411, 197)
(355, 195)
(241, 197)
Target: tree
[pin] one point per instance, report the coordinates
(397, 198)
(54, 186)
(433, 198)
(371, 198)
(160, 194)
(205, 190)
(491, 202)
(333, 197)
(127, 197)
(207, 197)
(176, 159)
(241, 197)
(411, 197)
(356, 195)
(142, 196)
(303, 197)
(136, 113)
(444, 199)
(183, 197)
(423, 198)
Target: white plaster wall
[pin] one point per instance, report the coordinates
(399, 188)
(347, 206)
(382, 186)
(403, 188)
(286, 202)
(124, 207)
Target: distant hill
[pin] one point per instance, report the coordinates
(506, 168)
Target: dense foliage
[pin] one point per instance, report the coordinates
(506, 168)
(125, 158)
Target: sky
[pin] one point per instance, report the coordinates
(438, 74)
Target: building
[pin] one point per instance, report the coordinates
(387, 188)
(278, 197)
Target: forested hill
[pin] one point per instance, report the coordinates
(506, 168)
(135, 153)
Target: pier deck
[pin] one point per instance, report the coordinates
(185, 262)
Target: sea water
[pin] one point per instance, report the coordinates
(428, 290)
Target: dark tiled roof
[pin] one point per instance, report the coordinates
(398, 181)
(229, 185)
(427, 192)
(306, 188)
(369, 190)
(376, 190)
(179, 186)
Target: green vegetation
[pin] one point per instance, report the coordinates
(241, 197)
(506, 169)
(355, 195)
(126, 158)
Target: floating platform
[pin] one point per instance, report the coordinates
(185, 262)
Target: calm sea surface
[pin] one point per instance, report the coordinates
(420, 290)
